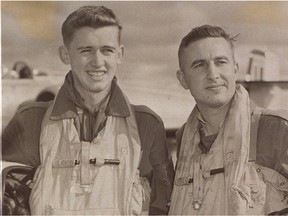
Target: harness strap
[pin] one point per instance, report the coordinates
(65, 163)
(78, 122)
(85, 171)
(189, 180)
(198, 183)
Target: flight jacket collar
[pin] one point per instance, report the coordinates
(65, 109)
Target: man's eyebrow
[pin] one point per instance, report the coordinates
(90, 47)
(109, 47)
(84, 47)
(221, 57)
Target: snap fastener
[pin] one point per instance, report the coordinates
(124, 150)
(282, 184)
(206, 174)
(52, 153)
(229, 156)
(196, 205)
(258, 170)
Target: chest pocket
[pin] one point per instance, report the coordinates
(256, 188)
(268, 190)
(277, 189)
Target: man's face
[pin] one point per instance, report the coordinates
(208, 70)
(93, 55)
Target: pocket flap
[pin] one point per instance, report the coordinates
(277, 180)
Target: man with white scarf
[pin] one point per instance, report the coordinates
(232, 155)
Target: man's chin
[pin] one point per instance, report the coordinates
(100, 87)
(217, 104)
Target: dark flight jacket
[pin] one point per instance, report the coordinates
(20, 142)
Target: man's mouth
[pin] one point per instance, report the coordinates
(96, 73)
(215, 86)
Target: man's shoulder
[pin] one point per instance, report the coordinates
(32, 106)
(272, 139)
(277, 115)
(146, 112)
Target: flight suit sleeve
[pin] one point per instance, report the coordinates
(272, 144)
(162, 174)
(156, 164)
(20, 138)
(282, 163)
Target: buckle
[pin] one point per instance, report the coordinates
(101, 161)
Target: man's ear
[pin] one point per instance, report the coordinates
(236, 67)
(64, 55)
(120, 54)
(181, 77)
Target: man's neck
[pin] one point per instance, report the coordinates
(92, 100)
(214, 116)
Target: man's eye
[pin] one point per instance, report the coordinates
(85, 51)
(108, 51)
(199, 65)
(221, 62)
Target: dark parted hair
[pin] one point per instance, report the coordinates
(205, 31)
(89, 16)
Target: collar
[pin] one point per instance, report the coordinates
(64, 108)
(200, 118)
(206, 141)
(206, 128)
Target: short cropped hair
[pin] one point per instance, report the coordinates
(89, 16)
(205, 31)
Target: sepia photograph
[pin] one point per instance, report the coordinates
(144, 107)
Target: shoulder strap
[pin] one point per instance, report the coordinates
(255, 117)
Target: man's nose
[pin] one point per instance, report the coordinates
(97, 59)
(212, 71)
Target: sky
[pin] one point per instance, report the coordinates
(152, 31)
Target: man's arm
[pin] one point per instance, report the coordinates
(20, 139)
(162, 175)
(272, 143)
(282, 164)
(156, 164)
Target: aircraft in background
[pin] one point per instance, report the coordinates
(21, 70)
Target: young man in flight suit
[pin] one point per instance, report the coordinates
(95, 153)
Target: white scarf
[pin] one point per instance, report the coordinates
(235, 136)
